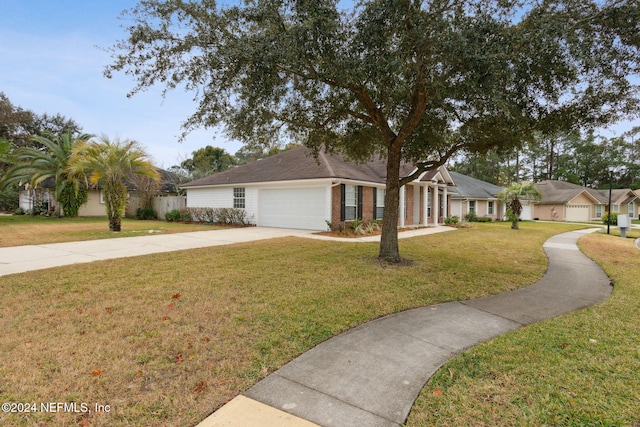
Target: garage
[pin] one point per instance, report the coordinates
(300, 208)
(526, 214)
(578, 213)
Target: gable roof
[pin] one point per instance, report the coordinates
(300, 164)
(561, 192)
(472, 188)
(619, 196)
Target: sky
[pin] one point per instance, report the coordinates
(52, 60)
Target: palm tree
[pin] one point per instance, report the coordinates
(34, 166)
(512, 195)
(110, 164)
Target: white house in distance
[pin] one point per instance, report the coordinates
(474, 195)
(295, 190)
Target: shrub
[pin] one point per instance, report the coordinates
(146, 213)
(483, 219)
(71, 200)
(614, 218)
(186, 215)
(451, 220)
(39, 209)
(9, 199)
(357, 226)
(172, 216)
(471, 217)
(228, 216)
(19, 211)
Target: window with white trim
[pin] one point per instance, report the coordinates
(632, 211)
(350, 202)
(380, 193)
(239, 198)
(490, 208)
(616, 208)
(598, 211)
(472, 206)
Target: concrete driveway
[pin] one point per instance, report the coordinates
(19, 259)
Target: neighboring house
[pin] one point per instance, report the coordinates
(563, 201)
(295, 190)
(474, 195)
(623, 201)
(43, 196)
(40, 197)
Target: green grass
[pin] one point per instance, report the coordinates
(166, 339)
(581, 369)
(17, 230)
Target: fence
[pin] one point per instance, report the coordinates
(161, 204)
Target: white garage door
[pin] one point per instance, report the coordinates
(578, 213)
(302, 208)
(526, 214)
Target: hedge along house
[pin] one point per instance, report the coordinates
(295, 190)
(473, 195)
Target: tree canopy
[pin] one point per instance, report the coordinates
(415, 81)
(109, 163)
(580, 158)
(208, 160)
(33, 166)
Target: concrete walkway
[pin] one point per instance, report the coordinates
(371, 375)
(19, 259)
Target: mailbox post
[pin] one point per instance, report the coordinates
(624, 223)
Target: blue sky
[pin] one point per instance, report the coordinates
(50, 62)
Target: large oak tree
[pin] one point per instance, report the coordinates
(412, 80)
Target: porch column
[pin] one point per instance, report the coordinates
(445, 203)
(402, 203)
(425, 205)
(435, 209)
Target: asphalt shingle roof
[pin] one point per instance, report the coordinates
(300, 164)
(560, 192)
(472, 188)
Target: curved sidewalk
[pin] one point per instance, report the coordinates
(371, 375)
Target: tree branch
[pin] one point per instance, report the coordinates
(427, 165)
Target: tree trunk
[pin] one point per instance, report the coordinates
(516, 208)
(389, 250)
(114, 200)
(115, 223)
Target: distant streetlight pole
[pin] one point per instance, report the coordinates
(610, 186)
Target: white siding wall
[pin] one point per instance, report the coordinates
(251, 203)
(223, 198)
(210, 197)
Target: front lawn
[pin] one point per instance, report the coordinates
(17, 230)
(166, 339)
